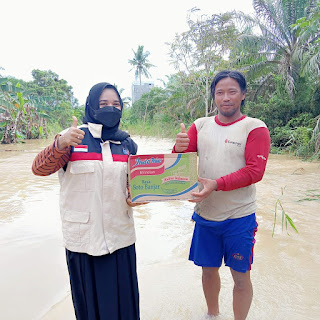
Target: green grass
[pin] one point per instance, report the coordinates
(285, 217)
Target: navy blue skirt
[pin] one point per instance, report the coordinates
(104, 287)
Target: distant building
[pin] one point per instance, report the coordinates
(138, 91)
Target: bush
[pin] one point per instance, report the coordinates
(302, 120)
(281, 137)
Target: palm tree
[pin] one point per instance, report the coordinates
(140, 63)
(308, 28)
(20, 115)
(278, 49)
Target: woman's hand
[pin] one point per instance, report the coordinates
(131, 204)
(72, 137)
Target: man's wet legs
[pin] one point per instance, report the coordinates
(211, 287)
(242, 294)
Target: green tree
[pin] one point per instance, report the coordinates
(197, 53)
(148, 105)
(140, 63)
(26, 108)
(277, 48)
(48, 84)
(307, 28)
(19, 118)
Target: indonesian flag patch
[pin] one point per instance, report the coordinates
(81, 148)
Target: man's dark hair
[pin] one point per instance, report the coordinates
(236, 75)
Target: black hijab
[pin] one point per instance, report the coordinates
(92, 103)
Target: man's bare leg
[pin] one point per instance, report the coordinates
(242, 294)
(211, 288)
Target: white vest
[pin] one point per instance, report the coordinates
(221, 151)
(95, 216)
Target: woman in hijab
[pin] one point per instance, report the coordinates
(95, 207)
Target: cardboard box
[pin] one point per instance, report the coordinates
(162, 177)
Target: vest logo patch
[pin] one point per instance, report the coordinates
(125, 151)
(237, 256)
(80, 148)
(238, 144)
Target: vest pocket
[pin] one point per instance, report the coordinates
(82, 175)
(75, 226)
(76, 216)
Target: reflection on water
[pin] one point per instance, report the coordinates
(34, 277)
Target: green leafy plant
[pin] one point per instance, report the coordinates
(285, 216)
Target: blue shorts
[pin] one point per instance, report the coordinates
(232, 239)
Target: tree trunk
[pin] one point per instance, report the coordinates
(17, 123)
(44, 125)
(6, 139)
(207, 97)
(207, 90)
(29, 124)
(145, 113)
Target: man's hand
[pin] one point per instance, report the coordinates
(72, 137)
(182, 140)
(208, 186)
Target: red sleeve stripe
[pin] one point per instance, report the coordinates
(193, 136)
(120, 157)
(76, 156)
(97, 156)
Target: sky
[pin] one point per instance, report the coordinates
(86, 42)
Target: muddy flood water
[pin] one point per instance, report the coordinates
(285, 275)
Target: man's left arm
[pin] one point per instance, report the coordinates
(256, 154)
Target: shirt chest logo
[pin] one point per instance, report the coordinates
(238, 144)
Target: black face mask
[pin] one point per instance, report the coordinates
(108, 116)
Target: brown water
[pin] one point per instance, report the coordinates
(33, 275)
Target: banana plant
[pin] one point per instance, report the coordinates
(13, 112)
